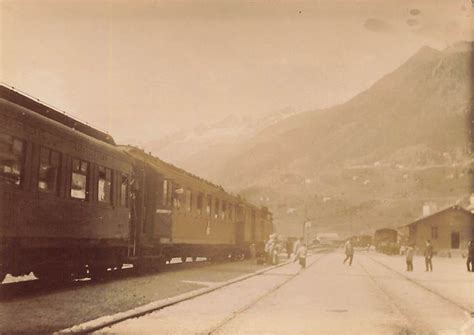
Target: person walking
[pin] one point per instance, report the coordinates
(301, 255)
(349, 250)
(428, 256)
(470, 256)
(409, 257)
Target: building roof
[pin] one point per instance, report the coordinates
(450, 208)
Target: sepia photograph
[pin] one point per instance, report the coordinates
(241, 167)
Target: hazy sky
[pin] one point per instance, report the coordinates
(140, 69)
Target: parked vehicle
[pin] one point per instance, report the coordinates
(385, 241)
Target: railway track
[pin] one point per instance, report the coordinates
(461, 306)
(406, 307)
(219, 326)
(107, 321)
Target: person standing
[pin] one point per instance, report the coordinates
(349, 250)
(296, 246)
(470, 256)
(409, 255)
(428, 256)
(289, 247)
(268, 252)
(301, 255)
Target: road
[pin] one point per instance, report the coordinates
(373, 296)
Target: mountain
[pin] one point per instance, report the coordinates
(372, 161)
(197, 150)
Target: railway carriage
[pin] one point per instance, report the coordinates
(180, 215)
(73, 203)
(63, 195)
(385, 241)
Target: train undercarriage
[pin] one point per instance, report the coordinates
(80, 260)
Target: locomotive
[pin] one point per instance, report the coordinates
(73, 203)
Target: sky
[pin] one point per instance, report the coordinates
(143, 69)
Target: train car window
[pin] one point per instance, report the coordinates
(104, 185)
(199, 203)
(12, 152)
(169, 196)
(48, 173)
(223, 210)
(80, 172)
(208, 205)
(164, 197)
(189, 200)
(124, 186)
(231, 212)
(178, 191)
(216, 209)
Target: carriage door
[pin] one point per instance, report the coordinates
(253, 225)
(163, 210)
(239, 224)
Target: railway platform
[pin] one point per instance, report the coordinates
(373, 296)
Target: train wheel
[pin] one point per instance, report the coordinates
(193, 258)
(183, 259)
(98, 272)
(53, 275)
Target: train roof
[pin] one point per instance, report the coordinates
(157, 162)
(28, 117)
(39, 107)
(160, 164)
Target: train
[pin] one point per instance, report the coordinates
(75, 204)
(386, 241)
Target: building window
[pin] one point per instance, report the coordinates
(434, 232)
(124, 191)
(12, 152)
(80, 173)
(104, 185)
(48, 173)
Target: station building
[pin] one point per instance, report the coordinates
(448, 230)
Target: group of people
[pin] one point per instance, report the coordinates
(428, 253)
(410, 250)
(300, 251)
(273, 248)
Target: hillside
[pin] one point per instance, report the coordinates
(372, 161)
